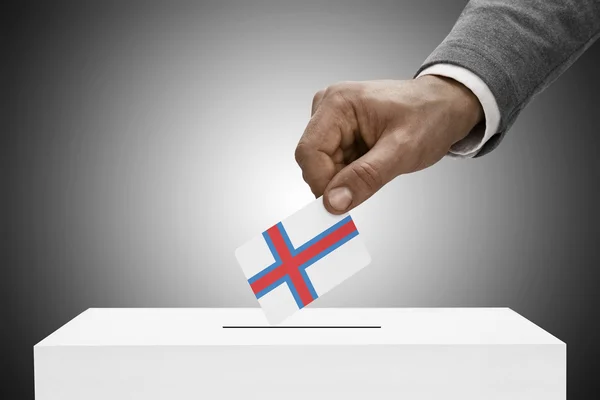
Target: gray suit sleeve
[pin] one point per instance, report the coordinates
(518, 48)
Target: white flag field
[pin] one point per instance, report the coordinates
(296, 261)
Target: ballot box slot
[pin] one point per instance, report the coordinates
(302, 327)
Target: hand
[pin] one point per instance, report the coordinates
(362, 135)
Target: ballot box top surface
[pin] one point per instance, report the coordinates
(311, 326)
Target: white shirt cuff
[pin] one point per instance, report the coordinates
(470, 145)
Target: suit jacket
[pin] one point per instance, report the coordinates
(518, 48)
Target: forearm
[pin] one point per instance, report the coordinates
(518, 47)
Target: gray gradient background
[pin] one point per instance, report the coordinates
(144, 142)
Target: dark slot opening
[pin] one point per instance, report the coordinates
(302, 327)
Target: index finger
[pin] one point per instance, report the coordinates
(318, 152)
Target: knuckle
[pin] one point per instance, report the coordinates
(301, 152)
(336, 88)
(339, 87)
(342, 96)
(331, 89)
(318, 96)
(338, 100)
(369, 175)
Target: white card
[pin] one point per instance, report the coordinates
(296, 261)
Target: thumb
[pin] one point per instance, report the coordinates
(359, 180)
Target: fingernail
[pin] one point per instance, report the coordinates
(340, 198)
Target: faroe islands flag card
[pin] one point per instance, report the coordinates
(294, 262)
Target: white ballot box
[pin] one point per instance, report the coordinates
(319, 353)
